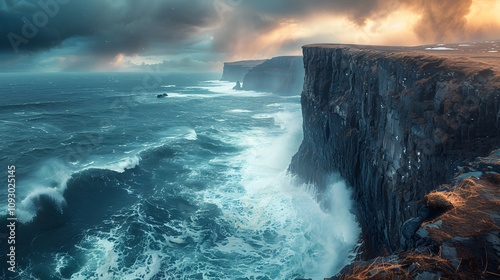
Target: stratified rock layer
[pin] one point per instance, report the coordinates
(281, 75)
(396, 123)
(236, 71)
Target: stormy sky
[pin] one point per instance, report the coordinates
(198, 35)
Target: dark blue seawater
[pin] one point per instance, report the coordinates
(115, 183)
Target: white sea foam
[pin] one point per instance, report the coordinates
(120, 165)
(179, 132)
(27, 209)
(47, 128)
(216, 86)
(102, 260)
(104, 255)
(28, 113)
(51, 180)
(239, 111)
(277, 229)
(216, 89)
(183, 95)
(319, 242)
(290, 97)
(262, 116)
(221, 88)
(275, 105)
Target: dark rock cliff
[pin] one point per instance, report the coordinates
(236, 71)
(280, 75)
(396, 123)
(460, 239)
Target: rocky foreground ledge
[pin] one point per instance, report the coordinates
(458, 237)
(413, 131)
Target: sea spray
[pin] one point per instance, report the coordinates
(271, 203)
(192, 186)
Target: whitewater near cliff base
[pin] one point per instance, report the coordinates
(115, 183)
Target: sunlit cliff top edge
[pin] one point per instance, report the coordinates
(484, 54)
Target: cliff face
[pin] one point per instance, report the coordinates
(281, 75)
(460, 239)
(236, 71)
(396, 123)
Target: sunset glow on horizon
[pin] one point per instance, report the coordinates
(201, 35)
(395, 28)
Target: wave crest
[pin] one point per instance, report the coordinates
(46, 188)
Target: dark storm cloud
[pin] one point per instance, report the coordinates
(356, 10)
(134, 26)
(89, 32)
(105, 26)
(31, 26)
(441, 20)
(252, 18)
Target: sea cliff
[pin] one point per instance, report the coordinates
(236, 71)
(397, 123)
(281, 75)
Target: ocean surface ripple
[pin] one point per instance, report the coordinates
(114, 183)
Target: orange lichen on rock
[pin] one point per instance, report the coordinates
(471, 208)
(460, 241)
(443, 200)
(378, 269)
(406, 266)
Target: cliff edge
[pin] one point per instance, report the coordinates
(397, 123)
(281, 75)
(236, 71)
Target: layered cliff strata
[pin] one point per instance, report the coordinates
(236, 71)
(397, 123)
(281, 75)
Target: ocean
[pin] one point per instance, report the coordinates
(112, 182)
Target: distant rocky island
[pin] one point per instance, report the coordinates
(236, 71)
(414, 131)
(282, 75)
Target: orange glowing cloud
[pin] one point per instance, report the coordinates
(483, 21)
(395, 28)
(117, 62)
(406, 23)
